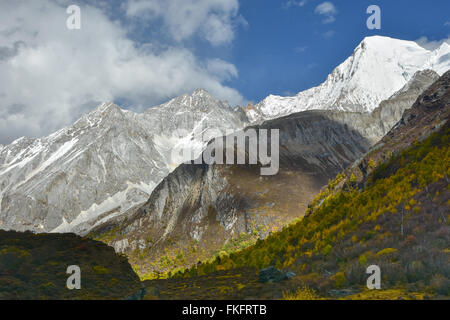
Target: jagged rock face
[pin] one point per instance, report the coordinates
(107, 162)
(379, 67)
(212, 204)
(391, 110)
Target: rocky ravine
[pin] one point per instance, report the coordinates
(198, 209)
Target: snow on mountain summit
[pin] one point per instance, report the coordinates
(378, 67)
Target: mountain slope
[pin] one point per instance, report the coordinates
(394, 215)
(204, 206)
(34, 267)
(107, 162)
(379, 67)
(214, 207)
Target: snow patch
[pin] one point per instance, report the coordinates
(115, 202)
(54, 157)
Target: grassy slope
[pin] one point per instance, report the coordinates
(400, 221)
(34, 267)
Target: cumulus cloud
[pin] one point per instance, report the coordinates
(221, 69)
(213, 20)
(50, 75)
(328, 10)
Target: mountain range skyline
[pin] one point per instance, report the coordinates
(432, 58)
(147, 52)
(131, 153)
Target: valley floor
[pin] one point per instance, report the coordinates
(243, 284)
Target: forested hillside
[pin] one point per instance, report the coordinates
(389, 209)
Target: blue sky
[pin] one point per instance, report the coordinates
(140, 53)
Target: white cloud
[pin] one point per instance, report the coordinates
(50, 75)
(295, 3)
(222, 70)
(213, 20)
(328, 10)
(431, 44)
(329, 34)
(300, 49)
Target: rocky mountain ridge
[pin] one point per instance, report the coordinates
(105, 163)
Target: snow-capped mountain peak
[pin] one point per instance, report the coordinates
(201, 93)
(378, 67)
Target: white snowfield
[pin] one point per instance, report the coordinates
(378, 67)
